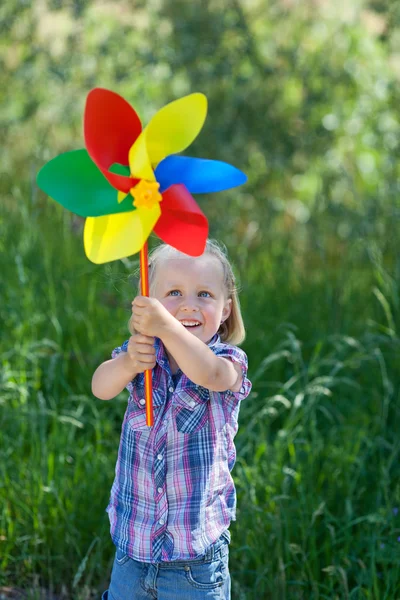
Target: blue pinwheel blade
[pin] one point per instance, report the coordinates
(199, 175)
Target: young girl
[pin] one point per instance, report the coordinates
(173, 496)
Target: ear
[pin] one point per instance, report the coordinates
(226, 311)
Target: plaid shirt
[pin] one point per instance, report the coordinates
(173, 493)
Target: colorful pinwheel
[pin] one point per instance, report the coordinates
(130, 182)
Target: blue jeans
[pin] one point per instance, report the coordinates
(205, 578)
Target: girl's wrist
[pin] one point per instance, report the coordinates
(172, 327)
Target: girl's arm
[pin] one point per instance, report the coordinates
(198, 362)
(111, 377)
(192, 356)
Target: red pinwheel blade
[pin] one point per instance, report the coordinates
(111, 126)
(182, 224)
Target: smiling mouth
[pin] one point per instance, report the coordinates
(190, 324)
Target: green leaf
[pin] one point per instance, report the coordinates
(73, 180)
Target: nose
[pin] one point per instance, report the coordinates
(190, 304)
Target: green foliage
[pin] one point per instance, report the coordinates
(304, 98)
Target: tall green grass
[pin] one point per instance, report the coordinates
(318, 446)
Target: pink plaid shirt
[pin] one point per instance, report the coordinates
(173, 494)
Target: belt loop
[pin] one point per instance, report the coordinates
(216, 546)
(212, 551)
(210, 554)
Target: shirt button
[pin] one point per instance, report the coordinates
(192, 403)
(171, 389)
(161, 521)
(159, 456)
(142, 401)
(159, 490)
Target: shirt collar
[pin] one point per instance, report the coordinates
(214, 340)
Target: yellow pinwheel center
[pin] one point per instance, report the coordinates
(145, 194)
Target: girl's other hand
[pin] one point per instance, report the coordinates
(141, 351)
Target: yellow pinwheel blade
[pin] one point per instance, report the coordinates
(139, 161)
(172, 129)
(119, 235)
(121, 196)
(175, 126)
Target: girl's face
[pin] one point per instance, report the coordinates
(193, 291)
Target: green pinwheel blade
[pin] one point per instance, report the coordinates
(73, 180)
(119, 169)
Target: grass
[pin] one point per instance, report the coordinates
(323, 486)
(318, 450)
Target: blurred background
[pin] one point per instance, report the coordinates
(304, 97)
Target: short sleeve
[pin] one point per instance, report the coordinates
(120, 349)
(114, 354)
(236, 355)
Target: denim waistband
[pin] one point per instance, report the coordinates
(211, 553)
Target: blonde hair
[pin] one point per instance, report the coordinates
(232, 329)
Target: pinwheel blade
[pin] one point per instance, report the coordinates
(111, 126)
(73, 180)
(120, 235)
(199, 175)
(175, 126)
(182, 224)
(171, 130)
(139, 160)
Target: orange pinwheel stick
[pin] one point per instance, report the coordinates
(144, 288)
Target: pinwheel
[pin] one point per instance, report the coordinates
(129, 182)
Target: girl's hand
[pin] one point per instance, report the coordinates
(142, 353)
(150, 317)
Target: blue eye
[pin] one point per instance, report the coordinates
(204, 294)
(174, 293)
